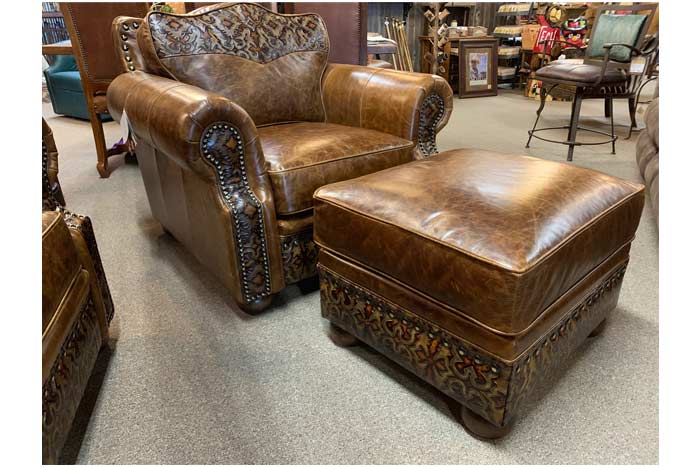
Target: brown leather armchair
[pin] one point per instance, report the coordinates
(238, 119)
(76, 307)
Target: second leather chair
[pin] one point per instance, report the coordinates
(238, 119)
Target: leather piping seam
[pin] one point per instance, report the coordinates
(451, 308)
(298, 232)
(63, 301)
(515, 271)
(354, 156)
(363, 96)
(291, 213)
(247, 59)
(51, 225)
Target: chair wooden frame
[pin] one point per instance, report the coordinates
(598, 90)
(94, 88)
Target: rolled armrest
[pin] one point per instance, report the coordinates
(173, 116)
(413, 106)
(216, 139)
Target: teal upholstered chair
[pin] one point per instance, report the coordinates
(617, 39)
(65, 88)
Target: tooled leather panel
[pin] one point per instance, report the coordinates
(243, 29)
(222, 147)
(489, 386)
(466, 324)
(451, 364)
(545, 358)
(299, 256)
(65, 384)
(513, 228)
(268, 63)
(305, 156)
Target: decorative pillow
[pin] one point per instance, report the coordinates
(268, 63)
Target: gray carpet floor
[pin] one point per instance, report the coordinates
(188, 378)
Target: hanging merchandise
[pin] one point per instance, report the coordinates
(439, 37)
(574, 30)
(545, 33)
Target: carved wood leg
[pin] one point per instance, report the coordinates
(477, 426)
(342, 338)
(100, 145)
(599, 329)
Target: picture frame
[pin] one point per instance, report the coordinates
(478, 67)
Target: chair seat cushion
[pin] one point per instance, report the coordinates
(67, 80)
(305, 156)
(580, 73)
(496, 238)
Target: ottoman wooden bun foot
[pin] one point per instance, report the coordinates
(599, 329)
(341, 338)
(477, 426)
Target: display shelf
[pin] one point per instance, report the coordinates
(505, 36)
(507, 13)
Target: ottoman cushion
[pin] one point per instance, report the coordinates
(491, 236)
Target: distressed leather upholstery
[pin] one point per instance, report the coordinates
(478, 271)
(305, 156)
(504, 224)
(76, 309)
(238, 119)
(648, 154)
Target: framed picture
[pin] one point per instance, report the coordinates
(478, 67)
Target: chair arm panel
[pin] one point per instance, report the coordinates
(216, 139)
(414, 106)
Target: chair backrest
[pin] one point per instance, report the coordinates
(89, 25)
(268, 63)
(610, 26)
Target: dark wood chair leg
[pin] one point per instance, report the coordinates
(478, 426)
(100, 145)
(608, 107)
(573, 125)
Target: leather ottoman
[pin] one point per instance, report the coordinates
(480, 272)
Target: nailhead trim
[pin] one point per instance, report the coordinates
(125, 48)
(231, 193)
(50, 202)
(427, 129)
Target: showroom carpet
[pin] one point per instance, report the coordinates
(191, 379)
